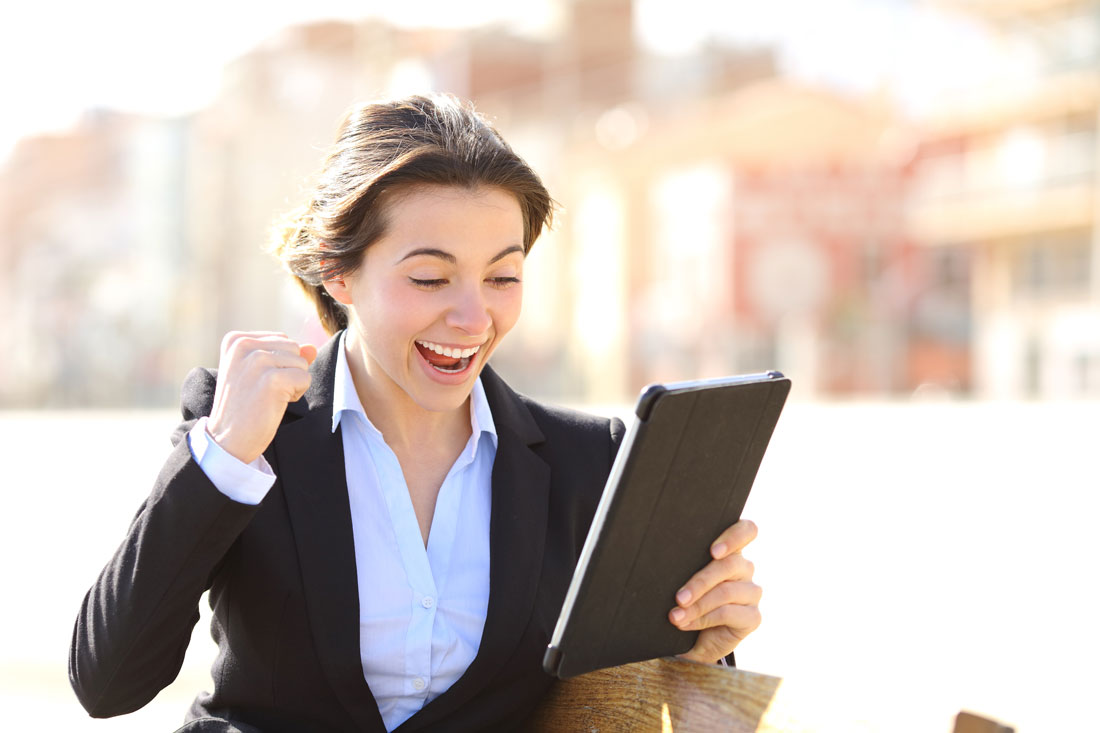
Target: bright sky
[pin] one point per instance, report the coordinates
(58, 57)
(854, 45)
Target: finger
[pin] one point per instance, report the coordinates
(703, 615)
(242, 346)
(308, 352)
(713, 644)
(291, 383)
(274, 342)
(736, 592)
(301, 391)
(233, 337)
(733, 539)
(731, 567)
(279, 359)
(741, 620)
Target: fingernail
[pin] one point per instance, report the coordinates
(678, 614)
(684, 596)
(718, 550)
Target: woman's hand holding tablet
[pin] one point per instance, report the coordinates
(720, 601)
(662, 572)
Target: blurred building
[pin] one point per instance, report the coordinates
(584, 84)
(1008, 201)
(253, 153)
(92, 233)
(714, 219)
(759, 228)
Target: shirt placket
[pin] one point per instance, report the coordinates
(423, 594)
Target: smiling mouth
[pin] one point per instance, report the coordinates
(447, 359)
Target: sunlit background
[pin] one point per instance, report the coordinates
(893, 202)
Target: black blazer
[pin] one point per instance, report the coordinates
(283, 581)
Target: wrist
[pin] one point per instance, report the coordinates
(224, 438)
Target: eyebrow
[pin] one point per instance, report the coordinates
(448, 257)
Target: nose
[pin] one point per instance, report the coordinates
(470, 312)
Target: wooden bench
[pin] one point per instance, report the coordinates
(674, 696)
(659, 695)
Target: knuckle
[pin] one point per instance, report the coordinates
(755, 618)
(272, 379)
(257, 357)
(295, 378)
(748, 568)
(729, 640)
(733, 565)
(244, 347)
(228, 340)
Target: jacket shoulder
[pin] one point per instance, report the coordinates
(567, 419)
(196, 399)
(576, 432)
(197, 392)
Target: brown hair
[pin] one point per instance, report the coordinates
(382, 148)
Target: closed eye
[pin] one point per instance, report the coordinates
(432, 284)
(504, 282)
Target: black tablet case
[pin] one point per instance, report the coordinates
(694, 456)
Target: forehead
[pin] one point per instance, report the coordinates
(452, 212)
(459, 226)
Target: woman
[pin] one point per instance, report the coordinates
(386, 529)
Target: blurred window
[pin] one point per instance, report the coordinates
(940, 171)
(1087, 373)
(1033, 367)
(872, 259)
(951, 271)
(1022, 158)
(1064, 41)
(1053, 267)
(1073, 151)
(1017, 160)
(942, 312)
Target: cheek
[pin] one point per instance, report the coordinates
(507, 310)
(390, 312)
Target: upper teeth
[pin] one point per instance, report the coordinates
(448, 351)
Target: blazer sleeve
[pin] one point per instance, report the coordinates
(135, 623)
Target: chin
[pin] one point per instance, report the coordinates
(437, 397)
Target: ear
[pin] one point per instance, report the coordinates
(338, 289)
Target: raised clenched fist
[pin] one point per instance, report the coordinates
(259, 374)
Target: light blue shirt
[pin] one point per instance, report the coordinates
(421, 609)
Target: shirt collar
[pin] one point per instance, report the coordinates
(346, 399)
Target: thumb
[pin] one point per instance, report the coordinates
(308, 352)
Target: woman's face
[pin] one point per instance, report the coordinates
(436, 294)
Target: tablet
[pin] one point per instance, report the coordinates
(681, 476)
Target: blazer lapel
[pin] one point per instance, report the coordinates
(517, 537)
(310, 459)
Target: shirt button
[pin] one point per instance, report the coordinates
(427, 601)
(418, 683)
